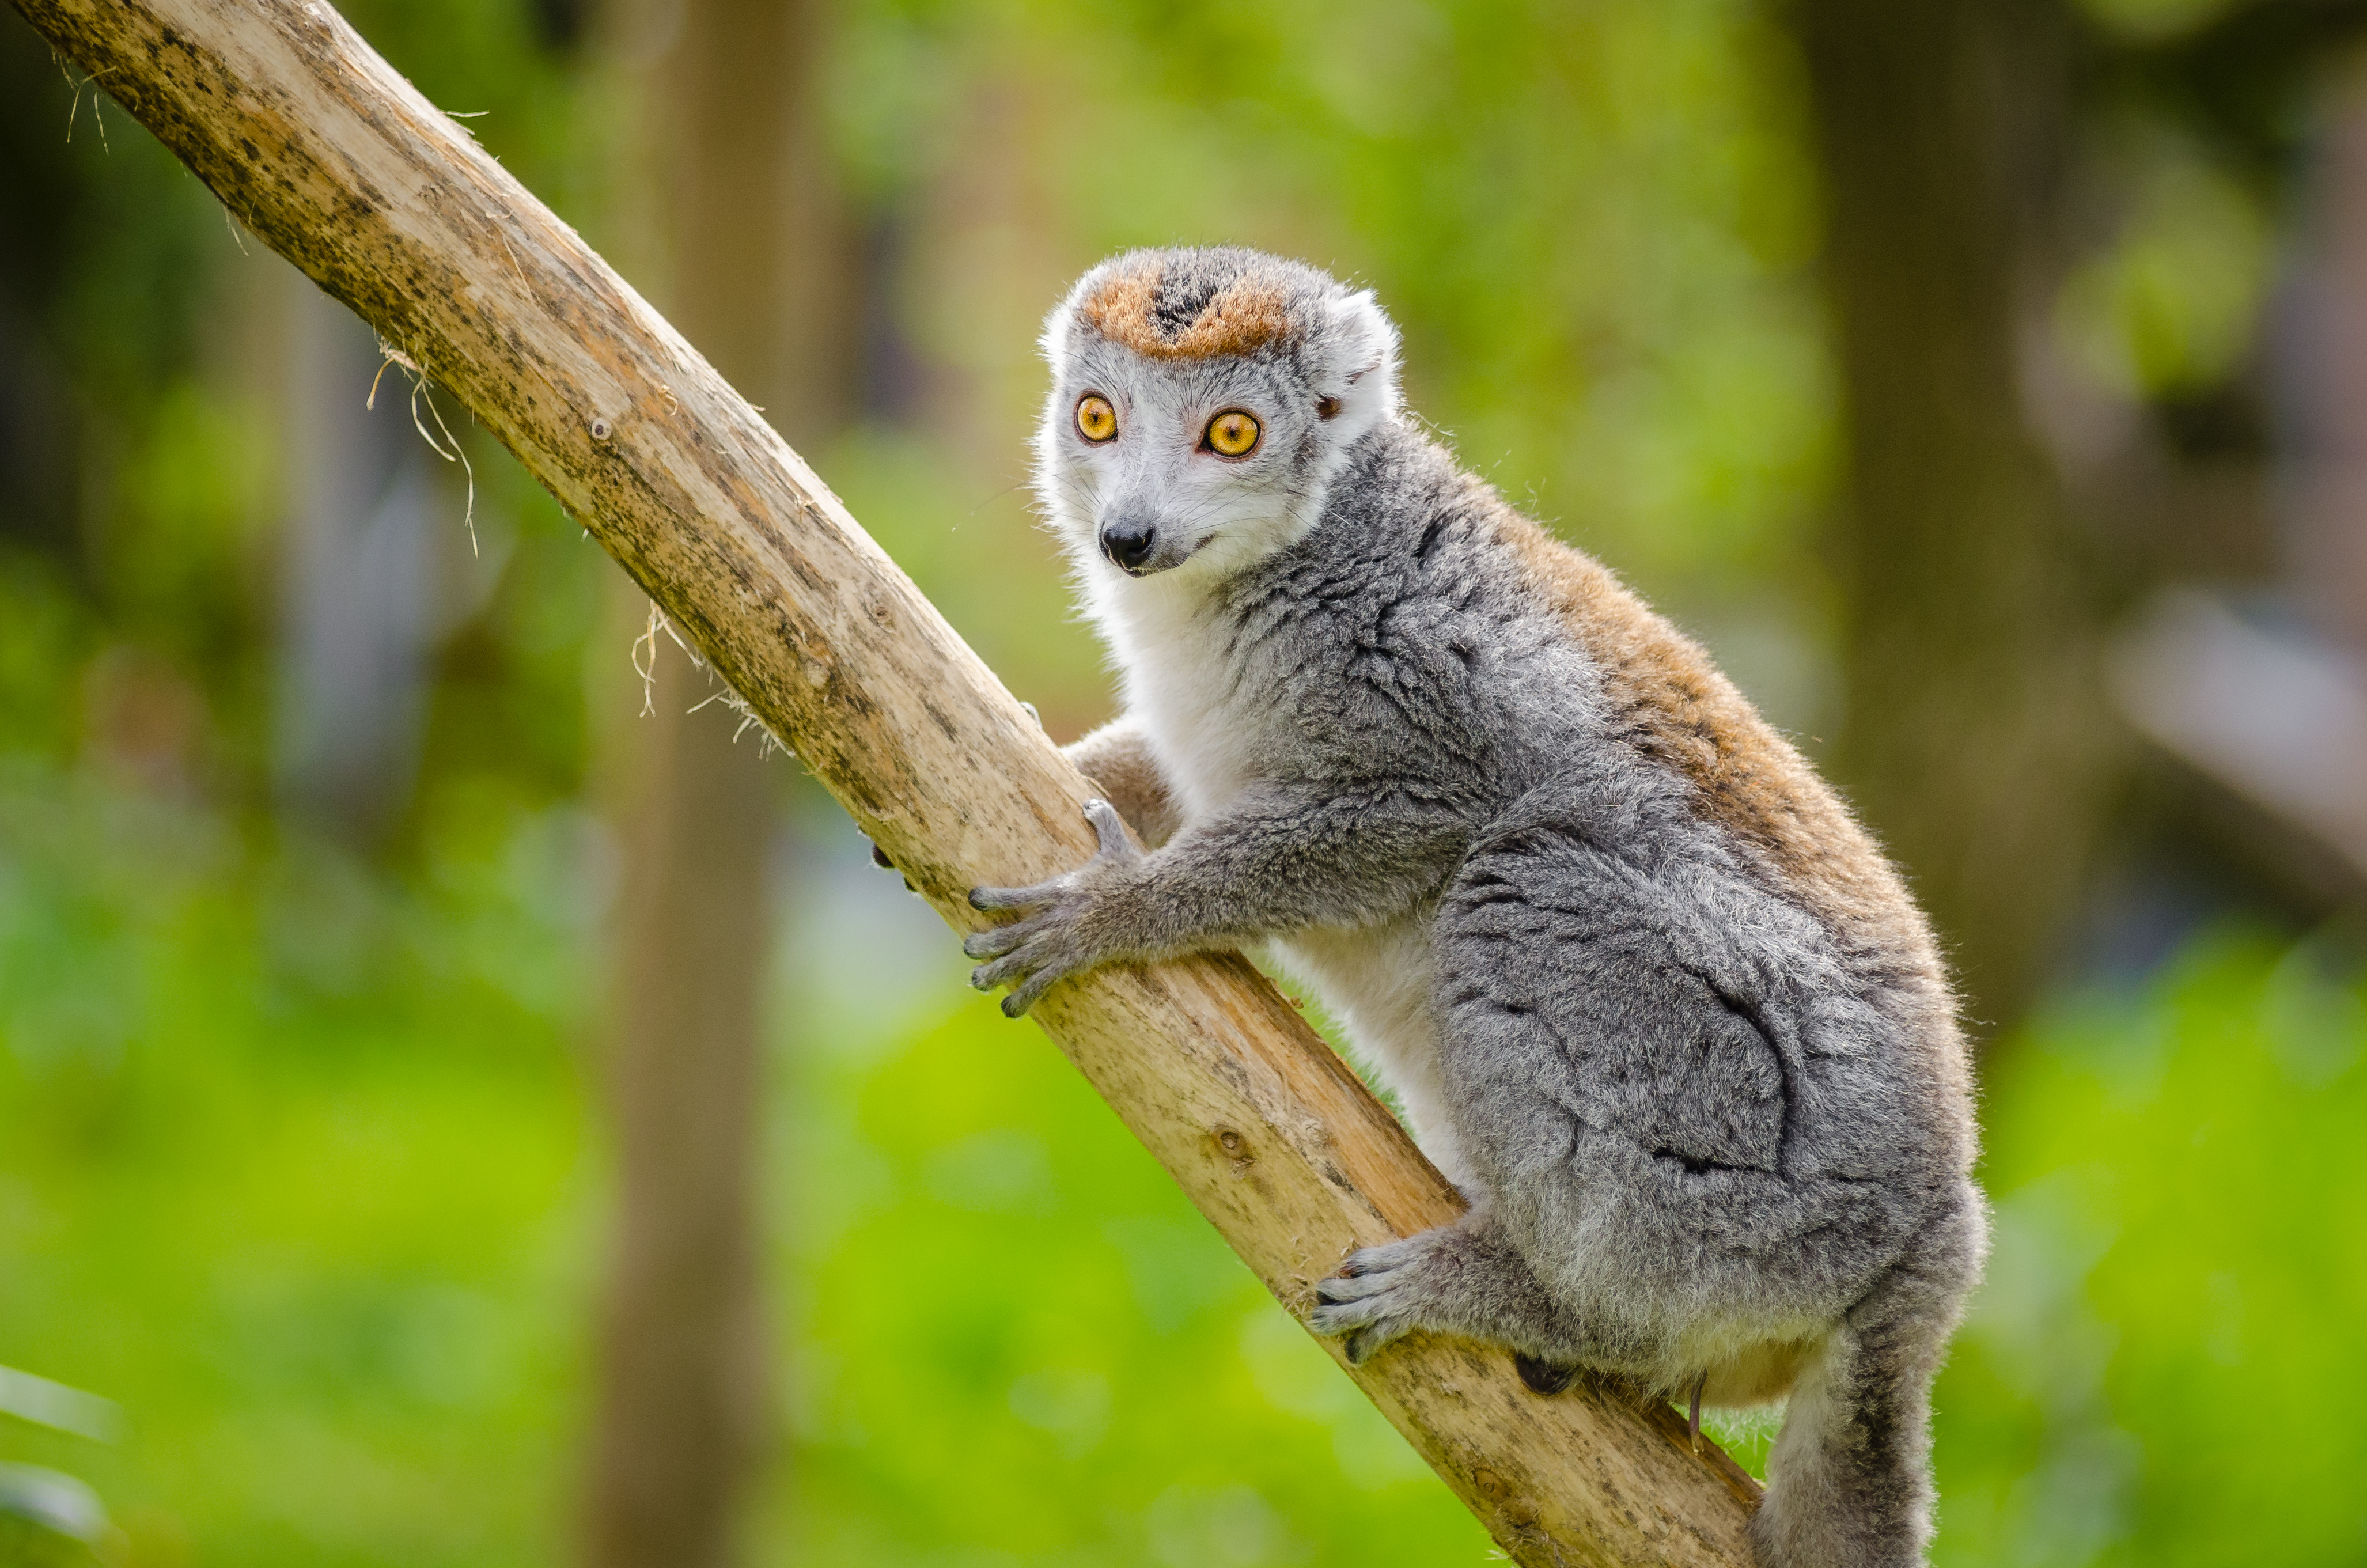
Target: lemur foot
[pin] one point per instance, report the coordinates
(1381, 1294)
(1544, 1377)
(1046, 946)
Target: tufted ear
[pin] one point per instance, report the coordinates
(1354, 356)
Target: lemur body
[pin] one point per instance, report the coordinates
(1646, 991)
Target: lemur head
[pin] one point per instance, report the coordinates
(1201, 401)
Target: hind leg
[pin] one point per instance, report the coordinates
(1612, 1082)
(1849, 1479)
(1466, 1280)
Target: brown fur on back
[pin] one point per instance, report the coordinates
(1674, 706)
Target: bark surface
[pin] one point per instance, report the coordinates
(328, 155)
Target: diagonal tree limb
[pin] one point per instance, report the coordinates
(329, 156)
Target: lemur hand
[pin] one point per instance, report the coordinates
(1062, 939)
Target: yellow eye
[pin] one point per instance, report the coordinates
(1096, 420)
(1233, 434)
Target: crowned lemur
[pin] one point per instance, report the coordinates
(1646, 990)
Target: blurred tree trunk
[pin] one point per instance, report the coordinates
(1976, 739)
(682, 1375)
(732, 199)
(2325, 536)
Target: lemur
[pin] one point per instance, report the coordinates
(1644, 989)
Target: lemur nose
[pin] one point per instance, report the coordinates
(1127, 544)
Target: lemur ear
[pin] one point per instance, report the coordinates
(1053, 341)
(1354, 355)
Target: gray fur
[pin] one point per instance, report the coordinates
(1699, 1124)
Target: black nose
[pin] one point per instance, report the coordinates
(1128, 544)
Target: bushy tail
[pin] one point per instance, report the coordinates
(1848, 1481)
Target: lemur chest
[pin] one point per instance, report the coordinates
(1212, 738)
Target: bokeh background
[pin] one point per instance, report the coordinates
(458, 1106)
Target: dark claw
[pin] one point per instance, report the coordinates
(1544, 1377)
(1323, 1293)
(974, 901)
(1359, 1348)
(1012, 1006)
(879, 859)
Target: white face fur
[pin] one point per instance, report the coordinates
(1155, 501)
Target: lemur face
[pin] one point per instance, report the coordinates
(1201, 401)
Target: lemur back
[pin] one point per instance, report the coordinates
(1644, 989)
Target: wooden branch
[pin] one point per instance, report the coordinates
(333, 159)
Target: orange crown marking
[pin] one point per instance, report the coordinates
(1246, 316)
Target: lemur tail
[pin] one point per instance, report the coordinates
(1848, 1481)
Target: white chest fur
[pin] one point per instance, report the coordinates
(1179, 684)
(1376, 979)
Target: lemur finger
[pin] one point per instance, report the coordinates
(1335, 1291)
(1364, 1342)
(995, 941)
(1109, 831)
(1035, 984)
(1383, 1258)
(1011, 965)
(1016, 898)
(1342, 1317)
(1373, 1306)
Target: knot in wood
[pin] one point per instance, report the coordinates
(1511, 1507)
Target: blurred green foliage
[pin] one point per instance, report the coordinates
(295, 1170)
(2169, 308)
(2178, 1258)
(297, 1154)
